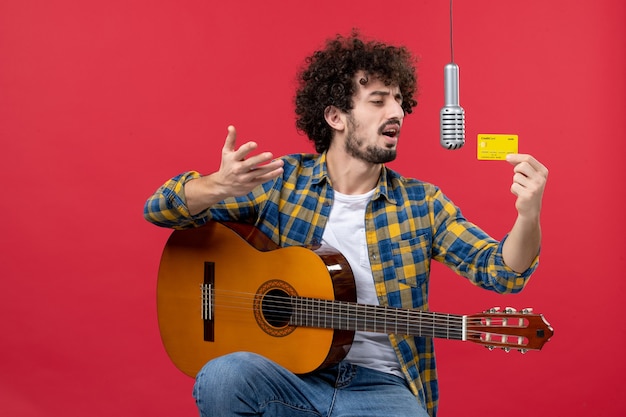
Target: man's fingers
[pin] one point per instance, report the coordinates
(257, 161)
(229, 143)
(516, 159)
(267, 172)
(242, 167)
(230, 147)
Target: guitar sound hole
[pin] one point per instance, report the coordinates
(276, 307)
(273, 308)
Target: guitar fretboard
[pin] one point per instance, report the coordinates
(340, 315)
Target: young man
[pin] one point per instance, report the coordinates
(351, 102)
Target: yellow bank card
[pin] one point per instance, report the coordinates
(492, 147)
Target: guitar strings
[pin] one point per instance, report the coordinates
(314, 311)
(435, 327)
(287, 302)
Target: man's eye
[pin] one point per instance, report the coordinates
(377, 101)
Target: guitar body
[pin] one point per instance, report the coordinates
(242, 272)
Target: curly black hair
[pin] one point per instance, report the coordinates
(328, 79)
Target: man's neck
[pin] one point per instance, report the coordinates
(350, 175)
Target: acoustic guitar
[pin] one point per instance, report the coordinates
(226, 287)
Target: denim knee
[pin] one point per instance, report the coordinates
(227, 378)
(228, 374)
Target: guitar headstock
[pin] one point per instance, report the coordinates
(509, 329)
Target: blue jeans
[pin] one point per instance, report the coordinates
(246, 384)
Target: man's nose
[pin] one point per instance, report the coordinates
(395, 111)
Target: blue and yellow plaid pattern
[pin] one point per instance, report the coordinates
(408, 222)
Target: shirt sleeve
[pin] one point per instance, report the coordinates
(471, 252)
(167, 207)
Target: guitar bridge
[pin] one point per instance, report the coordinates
(207, 305)
(207, 301)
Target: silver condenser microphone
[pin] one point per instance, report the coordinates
(452, 116)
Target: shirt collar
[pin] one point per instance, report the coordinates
(320, 174)
(320, 171)
(384, 185)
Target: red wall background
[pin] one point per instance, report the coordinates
(100, 102)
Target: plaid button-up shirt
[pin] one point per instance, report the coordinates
(408, 222)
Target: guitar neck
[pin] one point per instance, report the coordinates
(340, 315)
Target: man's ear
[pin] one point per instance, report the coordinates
(335, 118)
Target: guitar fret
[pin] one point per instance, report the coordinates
(406, 319)
(371, 324)
(433, 329)
(377, 319)
(396, 321)
(320, 311)
(420, 323)
(326, 316)
(365, 318)
(350, 323)
(293, 320)
(300, 311)
(362, 318)
(425, 329)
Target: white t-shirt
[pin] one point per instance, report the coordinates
(345, 231)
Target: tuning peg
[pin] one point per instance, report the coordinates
(493, 310)
(507, 310)
(490, 347)
(527, 310)
(506, 349)
(522, 351)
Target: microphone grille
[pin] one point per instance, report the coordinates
(452, 124)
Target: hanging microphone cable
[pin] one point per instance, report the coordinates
(452, 115)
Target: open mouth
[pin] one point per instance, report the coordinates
(391, 130)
